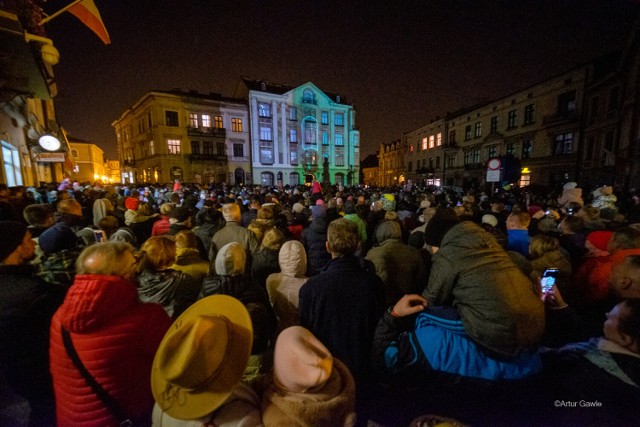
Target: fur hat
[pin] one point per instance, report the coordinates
(300, 362)
(297, 208)
(443, 220)
(202, 357)
(12, 233)
(490, 219)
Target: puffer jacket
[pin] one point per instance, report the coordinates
(314, 239)
(283, 288)
(116, 337)
(496, 301)
(174, 290)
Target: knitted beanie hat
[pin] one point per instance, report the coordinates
(443, 221)
(600, 239)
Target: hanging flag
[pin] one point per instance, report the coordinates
(87, 12)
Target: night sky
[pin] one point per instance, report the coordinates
(400, 63)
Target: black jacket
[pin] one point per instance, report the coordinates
(314, 240)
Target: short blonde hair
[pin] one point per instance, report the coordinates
(160, 253)
(231, 212)
(186, 239)
(541, 244)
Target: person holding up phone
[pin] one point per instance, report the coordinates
(544, 252)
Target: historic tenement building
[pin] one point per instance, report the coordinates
(187, 136)
(424, 160)
(293, 131)
(391, 168)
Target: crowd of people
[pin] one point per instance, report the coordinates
(192, 305)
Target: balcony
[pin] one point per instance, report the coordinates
(210, 132)
(451, 145)
(208, 157)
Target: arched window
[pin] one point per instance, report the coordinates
(339, 178)
(279, 180)
(310, 129)
(294, 178)
(308, 97)
(266, 178)
(239, 176)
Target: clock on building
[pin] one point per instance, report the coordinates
(49, 142)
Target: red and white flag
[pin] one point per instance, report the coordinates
(87, 12)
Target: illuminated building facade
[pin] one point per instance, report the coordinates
(189, 136)
(293, 131)
(391, 170)
(424, 159)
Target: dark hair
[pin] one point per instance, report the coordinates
(630, 324)
(573, 223)
(37, 214)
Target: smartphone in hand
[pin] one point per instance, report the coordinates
(549, 278)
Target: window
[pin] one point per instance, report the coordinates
(236, 124)
(438, 162)
(451, 161)
(529, 114)
(308, 97)
(411, 148)
(564, 143)
(567, 104)
(431, 162)
(439, 139)
(266, 178)
(511, 119)
(527, 149)
(339, 119)
(206, 121)
(266, 153)
(173, 145)
(425, 143)
(293, 154)
(510, 149)
(325, 138)
(193, 120)
(152, 148)
(195, 147)
(293, 113)
(294, 178)
(477, 131)
(409, 166)
(339, 140)
(452, 137)
(218, 122)
(475, 155)
(265, 133)
(238, 150)
(264, 109)
(293, 135)
(356, 140)
(609, 141)
(221, 149)
(467, 133)
(525, 180)
(492, 151)
(339, 156)
(432, 141)
(11, 160)
(171, 118)
(208, 148)
(310, 157)
(74, 153)
(494, 124)
(309, 132)
(324, 118)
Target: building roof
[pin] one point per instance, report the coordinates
(192, 93)
(281, 89)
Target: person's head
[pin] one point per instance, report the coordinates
(160, 253)
(145, 208)
(70, 207)
(624, 238)
(589, 213)
(182, 216)
(442, 221)
(231, 260)
(186, 239)
(4, 190)
(108, 259)
(109, 224)
(571, 224)
(342, 238)
(17, 247)
(625, 277)
(231, 212)
(39, 215)
(266, 213)
(388, 230)
(623, 325)
(349, 207)
(541, 244)
(518, 221)
(272, 239)
(166, 209)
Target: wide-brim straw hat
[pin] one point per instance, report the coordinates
(202, 357)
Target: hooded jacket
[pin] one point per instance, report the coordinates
(496, 301)
(332, 405)
(283, 288)
(116, 337)
(174, 290)
(314, 239)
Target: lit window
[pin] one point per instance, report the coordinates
(11, 159)
(432, 141)
(293, 113)
(339, 156)
(477, 130)
(339, 119)
(293, 135)
(308, 97)
(206, 121)
(425, 143)
(339, 140)
(325, 138)
(236, 124)
(309, 132)
(265, 133)
(264, 109)
(293, 153)
(324, 118)
(439, 139)
(173, 145)
(218, 122)
(564, 143)
(152, 148)
(193, 120)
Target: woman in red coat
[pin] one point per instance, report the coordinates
(115, 336)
